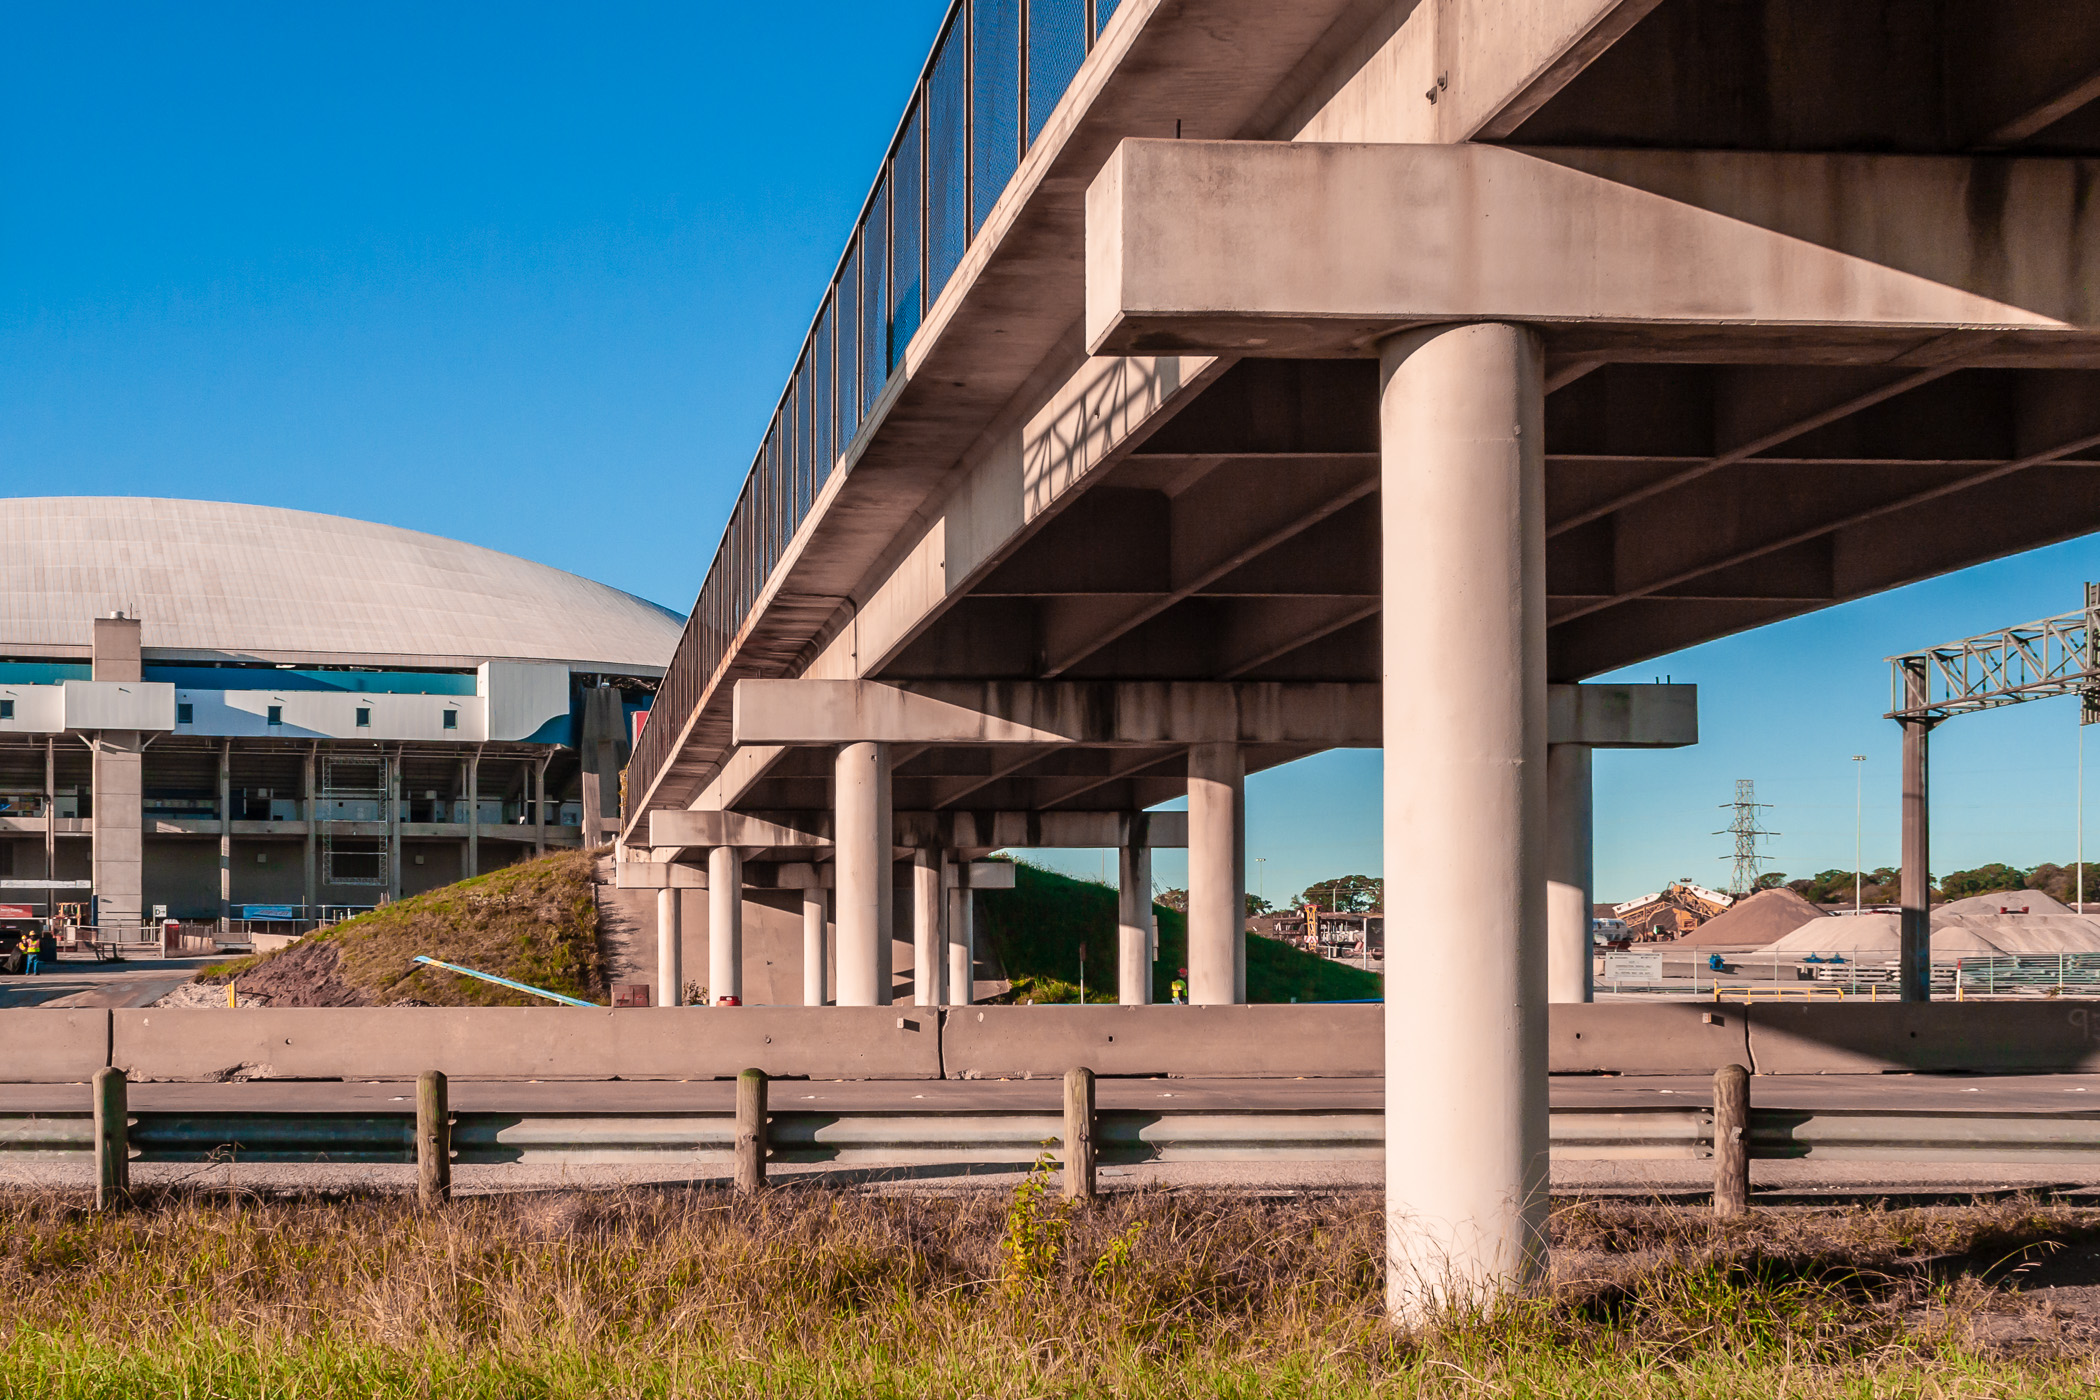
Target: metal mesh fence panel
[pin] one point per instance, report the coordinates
(995, 102)
(805, 462)
(961, 143)
(848, 376)
(1056, 47)
(907, 248)
(874, 296)
(947, 161)
(820, 405)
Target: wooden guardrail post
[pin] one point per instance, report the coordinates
(433, 1139)
(750, 1131)
(1731, 1142)
(112, 1139)
(1079, 1134)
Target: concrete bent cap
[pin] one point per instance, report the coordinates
(1310, 249)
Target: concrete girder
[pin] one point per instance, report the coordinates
(945, 830)
(1321, 249)
(793, 875)
(1095, 714)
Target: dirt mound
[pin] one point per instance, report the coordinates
(1763, 918)
(535, 922)
(1879, 935)
(303, 975)
(2033, 903)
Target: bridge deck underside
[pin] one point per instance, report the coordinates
(1692, 493)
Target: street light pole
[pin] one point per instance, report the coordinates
(1859, 798)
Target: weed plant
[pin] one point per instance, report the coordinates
(815, 1292)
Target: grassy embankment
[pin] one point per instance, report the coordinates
(1039, 926)
(534, 922)
(695, 1293)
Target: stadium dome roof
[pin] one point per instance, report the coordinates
(216, 581)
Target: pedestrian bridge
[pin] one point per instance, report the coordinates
(1207, 383)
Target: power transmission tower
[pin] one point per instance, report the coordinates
(1746, 831)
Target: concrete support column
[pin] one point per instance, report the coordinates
(1914, 928)
(225, 834)
(1570, 872)
(1134, 925)
(929, 952)
(1217, 875)
(962, 946)
(118, 819)
(51, 822)
(725, 924)
(539, 807)
(311, 872)
(861, 833)
(1462, 481)
(815, 915)
(670, 970)
(474, 813)
(393, 824)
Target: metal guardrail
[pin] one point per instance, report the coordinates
(706, 1139)
(997, 70)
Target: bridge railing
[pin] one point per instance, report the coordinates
(997, 71)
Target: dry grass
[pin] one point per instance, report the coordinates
(534, 922)
(811, 1292)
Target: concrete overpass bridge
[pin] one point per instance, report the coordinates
(1210, 382)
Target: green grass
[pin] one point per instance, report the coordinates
(1039, 926)
(1172, 1294)
(535, 922)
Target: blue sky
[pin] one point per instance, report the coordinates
(504, 272)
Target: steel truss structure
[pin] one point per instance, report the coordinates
(2034, 661)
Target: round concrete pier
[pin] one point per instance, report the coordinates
(1463, 484)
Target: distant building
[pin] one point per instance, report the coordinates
(234, 711)
(1333, 935)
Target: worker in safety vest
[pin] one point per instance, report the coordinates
(1179, 988)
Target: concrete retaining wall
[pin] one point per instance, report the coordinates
(504, 1042)
(1933, 1037)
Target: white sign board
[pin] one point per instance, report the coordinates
(1633, 967)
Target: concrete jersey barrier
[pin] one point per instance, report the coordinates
(47, 1046)
(506, 1042)
(1188, 1042)
(54, 1046)
(1939, 1037)
(1656, 1038)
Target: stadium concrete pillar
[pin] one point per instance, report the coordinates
(1134, 924)
(117, 823)
(725, 924)
(225, 833)
(308, 762)
(474, 813)
(117, 816)
(962, 944)
(392, 769)
(1217, 875)
(1462, 482)
(861, 839)
(815, 915)
(1570, 867)
(539, 807)
(51, 822)
(670, 974)
(929, 951)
